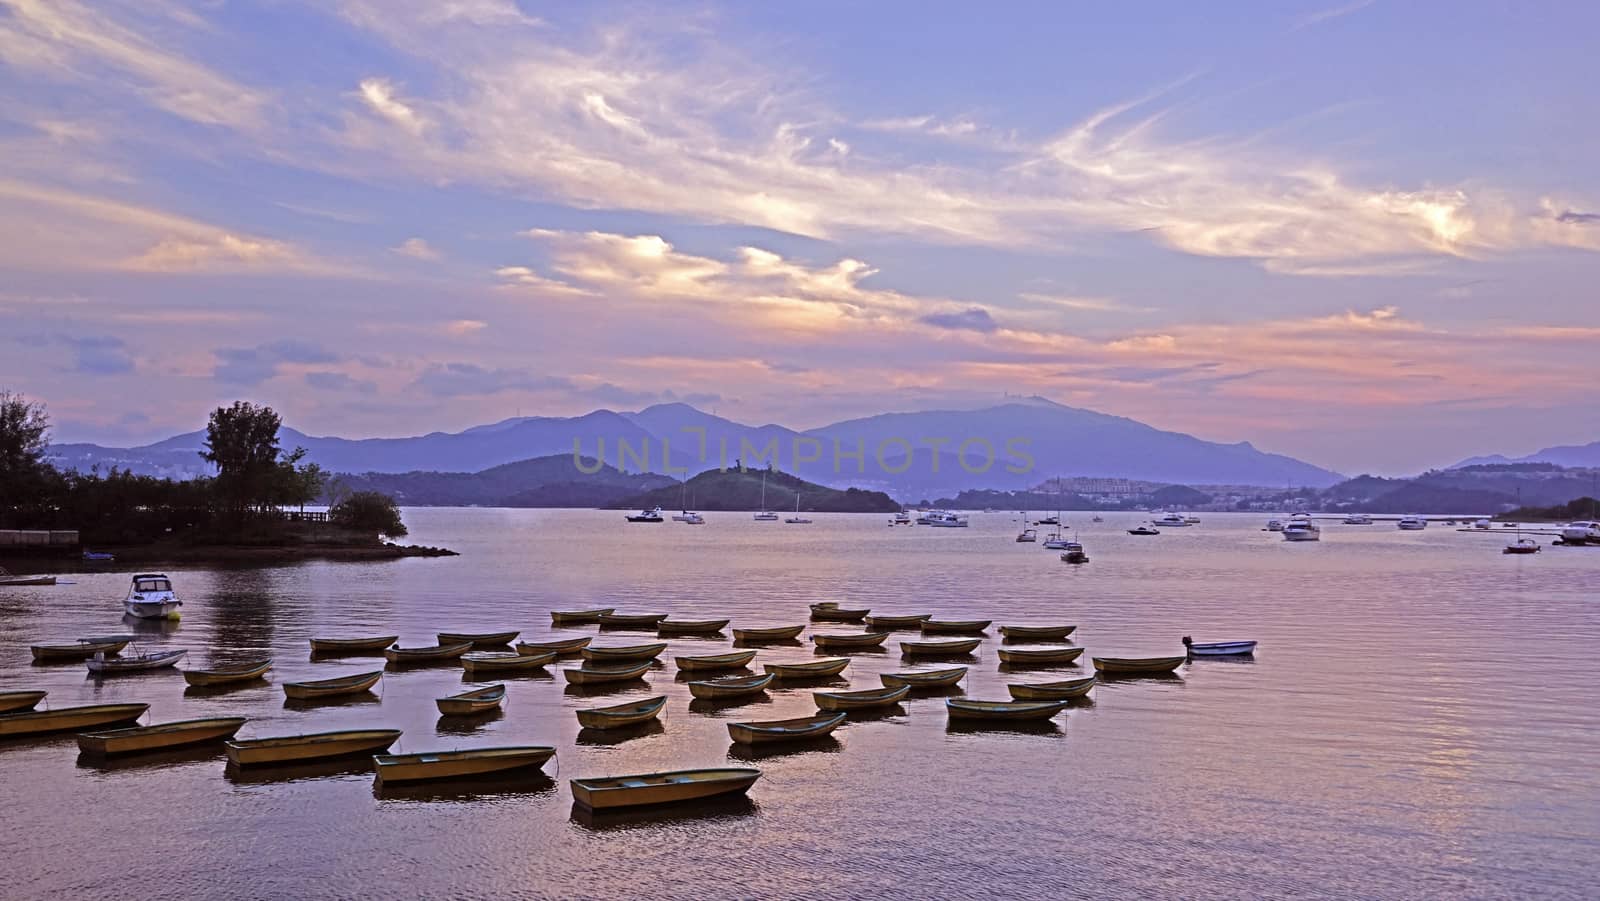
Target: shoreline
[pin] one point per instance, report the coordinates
(144, 555)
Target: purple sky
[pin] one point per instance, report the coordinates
(1363, 234)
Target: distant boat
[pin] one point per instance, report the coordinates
(1273, 525)
(1175, 520)
(1028, 535)
(1137, 666)
(651, 515)
(1218, 648)
(1301, 528)
(661, 788)
(686, 515)
(133, 663)
(9, 581)
(1358, 519)
(1074, 554)
(1522, 546)
(966, 708)
(432, 765)
(902, 518)
(470, 703)
(1098, 519)
(1048, 521)
(1145, 530)
(797, 519)
(1583, 531)
(150, 596)
(1411, 522)
(616, 717)
(1481, 524)
(765, 515)
(96, 557)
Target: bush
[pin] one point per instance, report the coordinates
(369, 511)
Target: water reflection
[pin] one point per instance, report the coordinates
(1025, 727)
(602, 737)
(775, 643)
(469, 724)
(358, 699)
(683, 676)
(826, 744)
(1073, 667)
(715, 705)
(466, 789)
(730, 808)
(242, 611)
(603, 688)
(298, 772)
(151, 760)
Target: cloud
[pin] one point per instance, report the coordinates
(378, 94)
(98, 354)
(327, 380)
(463, 327)
(468, 379)
(417, 249)
(254, 365)
(1086, 304)
(1329, 14)
(975, 319)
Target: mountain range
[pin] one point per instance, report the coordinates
(1011, 446)
(1570, 455)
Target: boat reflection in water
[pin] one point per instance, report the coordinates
(826, 744)
(466, 790)
(341, 768)
(620, 734)
(467, 725)
(629, 817)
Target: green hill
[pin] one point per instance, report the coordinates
(553, 481)
(741, 490)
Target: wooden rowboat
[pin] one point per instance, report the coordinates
(579, 617)
(1137, 666)
(818, 669)
(860, 700)
(730, 687)
(229, 674)
(1038, 633)
(939, 648)
(858, 640)
(371, 645)
(629, 714)
(480, 639)
(966, 709)
(955, 625)
(691, 626)
(613, 792)
(428, 654)
(314, 746)
(138, 663)
(833, 613)
(82, 649)
(69, 719)
(433, 765)
(1218, 648)
(1052, 691)
(735, 660)
(1026, 656)
(772, 731)
(329, 688)
(631, 620)
(490, 662)
(469, 703)
(595, 675)
(620, 653)
(773, 633)
(883, 623)
(159, 737)
(13, 701)
(563, 647)
(937, 678)
(21, 581)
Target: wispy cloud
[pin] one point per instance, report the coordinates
(417, 249)
(1334, 12)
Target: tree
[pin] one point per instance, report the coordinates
(369, 511)
(242, 442)
(24, 437)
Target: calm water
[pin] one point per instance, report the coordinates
(1422, 720)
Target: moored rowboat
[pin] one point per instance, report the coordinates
(1052, 691)
(370, 645)
(1046, 633)
(231, 673)
(773, 633)
(1039, 655)
(1218, 648)
(314, 746)
(691, 626)
(13, 701)
(398, 654)
(563, 647)
(579, 617)
(938, 678)
(939, 648)
(432, 765)
(69, 719)
(631, 620)
(964, 708)
(955, 625)
(480, 639)
(138, 663)
(734, 660)
(505, 661)
(329, 688)
(612, 792)
(82, 649)
(730, 687)
(468, 703)
(771, 731)
(620, 715)
(860, 700)
(880, 623)
(620, 653)
(859, 640)
(594, 675)
(813, 670)
(159, 737)
(835, 614)
(1137, 666)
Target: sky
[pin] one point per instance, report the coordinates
(1364, 234)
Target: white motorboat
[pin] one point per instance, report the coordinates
(1175, 520)
(1057, 541)
(902, 518)
(692, 518)
(1191, 519)
(1482, 524)
(1145, 529)
(652, 515)
(1411, 522)
(1028, 535)
(1358, 519)
(1274, 525)
(946, 519)
(151, 597)
(1301, 528)
(1583, 531)
(1073, 553)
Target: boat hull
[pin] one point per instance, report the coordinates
(566, 647)
(1222, 649)
(1137, 666)
(316, 746)
(480, 639)
(821, 669)
(427, 655)
(654, 789)
(506, 662)
(1002, 711)
(1024, 656)
(579, 617)
(112, 666)
(14, 701)
(159, 737)
(939, 648)
(624, 654)
(470, 703)
(836, 615)
(775, 731)
(695, 627)
(69, 719)
(644, 621)
(371, 645)
(1042, 633)
(438, 765)
(777, 633)
(621, 715)
(864, 640)
(82, 650)
(152, 609)
(895, 622)
(27, 581)
(244, 672)
(860, 700)
(955, 627)
(601, 675)
(1052, 691)
(730, 688)
(932, 679)
(331, 688)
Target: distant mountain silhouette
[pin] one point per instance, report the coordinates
(1572, 455)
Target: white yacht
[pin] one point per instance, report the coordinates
(151, 597)
(1175, 520)
(1584, 531)
(1028, 536)
(902, 518)
(652, 515)
(1301, 528)
(1274, 525)
(690, 517)
(1411, 522)
(946, 519)
(1482, 524)
(1358, 519)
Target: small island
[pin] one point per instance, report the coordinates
(740, 489)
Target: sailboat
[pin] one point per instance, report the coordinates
(1056, 540)
(765, 515)
(797, 519)
(688, 516)
(1521, 545)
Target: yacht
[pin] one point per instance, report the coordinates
(690, 517)
(1358, 519)
(1028, 535)
(1301, 528)
(946, 519)
(1411, 522)
(902, 518)
(1191, 519)
(1274, 525)
(1481, 524)
(151, 597)
(1073, 553)
(1175, 520)
(1145, 529)
(652, 515)
(1048, 521)
(764, 515)
(1584, 531)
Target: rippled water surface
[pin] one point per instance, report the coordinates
(1422, 720)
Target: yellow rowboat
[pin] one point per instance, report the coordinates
(1038, 633)
(858, 640)
(819, 669)
(734, 660)
(771, 731)
(595, 675)
(480, 639)
(82, 649)
(371, 645)
(13, 701)
(579, 617)
(1025, 656)
(459, 764)
(631, 620)
(730, 687)
(1137, 666)
(329, 688)
(315, 746)
(965, 709)
(620, 653)
(563, 647)
(774, 633)
(691, 626)
(1052, 691)
(955, 625)
(227, 675)
(833, 613)
(490, 662)
(621, 715)
(481, 700)
(428, 654)
(69, 719)
(884, 623)
(937, 678)
(860, 700)
(611, 792)
(939, 648)
(159, 737)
